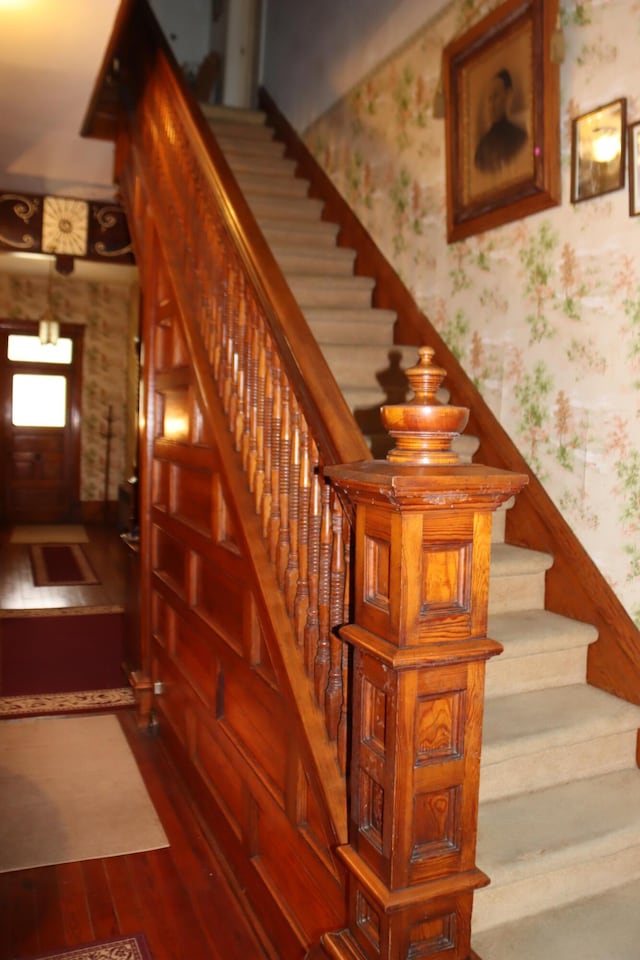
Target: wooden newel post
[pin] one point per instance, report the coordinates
(422, 553)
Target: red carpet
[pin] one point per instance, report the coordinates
(60, 564)
(122, 948)
(59, 654)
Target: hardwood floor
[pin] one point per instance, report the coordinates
(179, 897)
(105, 552)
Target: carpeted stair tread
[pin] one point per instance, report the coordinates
(272, 184)
(324, 291)
(510, 561)
(305, 209)
(517, 578)
(602, 927)
(220, 112)
(248, 146)
(241, 161)
(320, 259)
(352, 326)
(540, 649)
(300, 232)
(532, 722)
(526, 632)
(557, 845)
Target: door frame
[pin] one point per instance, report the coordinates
(74, 332)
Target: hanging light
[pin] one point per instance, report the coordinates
(48, 327)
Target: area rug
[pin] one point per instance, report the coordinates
(49, 533)
(122, 948)
(70, 790)
(79, 701)
(60, 564)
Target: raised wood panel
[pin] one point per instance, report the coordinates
(255, 718)
(221, 768)
(192, 497)
(170, 350)
(194, 654)
(161, 483)
(220, 600)
(170, 560)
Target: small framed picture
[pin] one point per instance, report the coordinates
(598, 151)
(633, 134)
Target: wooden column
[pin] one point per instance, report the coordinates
(422, 554)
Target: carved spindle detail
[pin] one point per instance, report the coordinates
(333, 699)
(323, 654)
(251, 420)
(301, 603)
(266, 504)
(261, 403)
(312, 625)
(276, 427)
(291, 574)
(285, 470)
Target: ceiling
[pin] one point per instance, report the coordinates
(50, 55)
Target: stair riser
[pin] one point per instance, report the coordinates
(537, 672)
(556, 765)
(338, 332)
(303, 209)
(324, 294)
(250, 148)
(300, 233)
(254, 132)
(273, 186)
(525, 592)
(495, 905)
(320, 265)
(278, 166)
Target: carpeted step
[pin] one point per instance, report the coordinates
(217, 112)
(320, 259)
(300, 232)
(311, 290)
(602, 927)
(368, 325)
(370, 367)
(248, 146)
(242, 162)
(242, 132)
(271, 184)
(547, 737)
(301, 209)
(517, 578)
(556, 846)
(541, 649)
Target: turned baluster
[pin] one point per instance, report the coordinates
(266, 503)
(312, 625)
(261, 377)
(333, 697)
(301, 602)
(323, 653)
(291, 573)
(282, 554)
(276, 427)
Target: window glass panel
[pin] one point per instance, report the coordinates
(39, 400)
(30, 349)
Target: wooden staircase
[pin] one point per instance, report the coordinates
(559, 830)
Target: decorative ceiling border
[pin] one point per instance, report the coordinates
(65, 227)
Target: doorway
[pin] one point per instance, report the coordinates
(40, 428)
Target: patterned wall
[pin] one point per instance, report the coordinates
(105, 310)
(544, 313)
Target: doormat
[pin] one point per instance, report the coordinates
(60, 565)
(122, 948)
(49, 533)
(72, 791)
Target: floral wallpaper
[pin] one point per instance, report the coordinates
(544, 313)
(106, 312)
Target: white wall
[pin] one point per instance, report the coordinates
(316, 51)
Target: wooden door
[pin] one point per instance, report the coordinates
(40, 426)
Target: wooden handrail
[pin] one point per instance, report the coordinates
(575, 586)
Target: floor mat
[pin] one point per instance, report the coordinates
(61, 565)
(70, 790)
(122, 948)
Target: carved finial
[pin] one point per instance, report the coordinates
(423, 428)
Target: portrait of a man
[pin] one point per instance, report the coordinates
(501, 143)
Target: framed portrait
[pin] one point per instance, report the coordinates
(634, 169)
(502, 104)
(598, 151)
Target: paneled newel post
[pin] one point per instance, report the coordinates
(422, 553)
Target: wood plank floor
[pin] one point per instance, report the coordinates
(179, 897)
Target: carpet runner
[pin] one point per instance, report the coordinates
(77, 701)
(60, 564)
(133, 947)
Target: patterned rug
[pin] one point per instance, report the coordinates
(80, 701)
(60, 564)
(122, 948)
